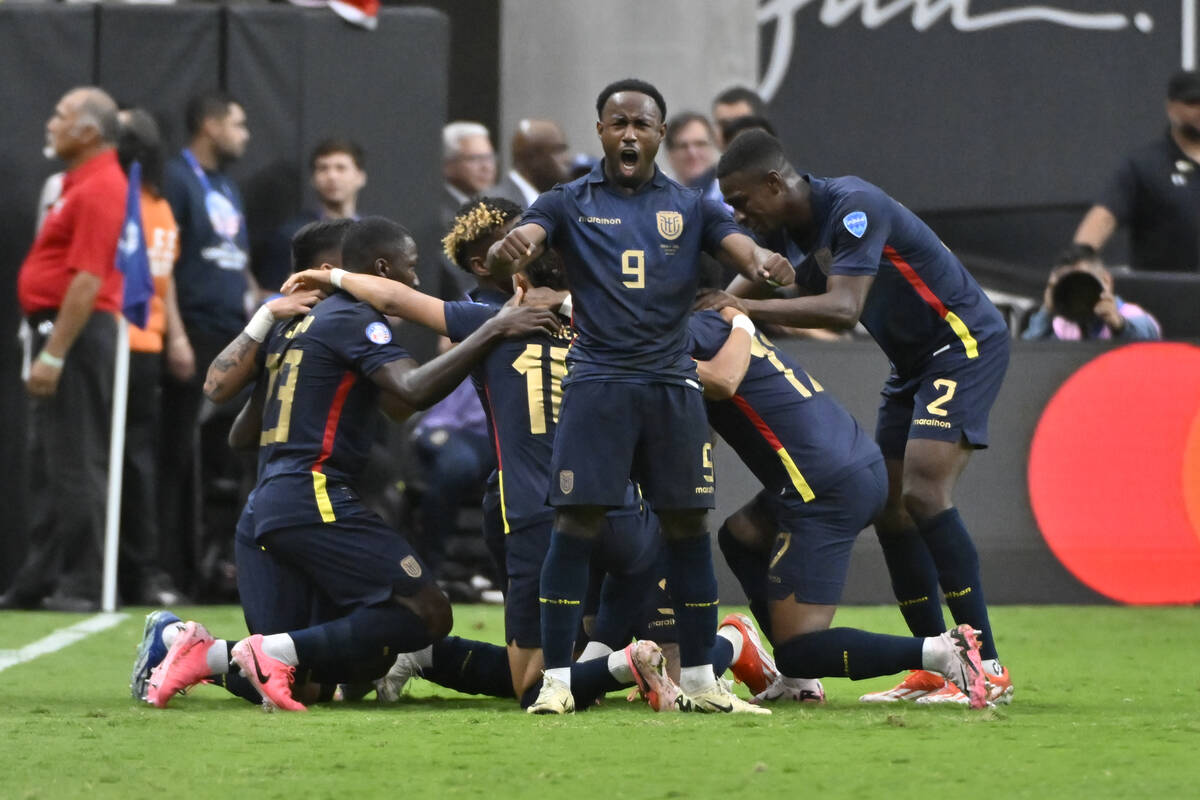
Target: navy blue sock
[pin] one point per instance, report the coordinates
(914, 581)
(623, 599)
(590, 679)
(694, 588)
(563, 586)
(470, 667)
(722, 655)
(750, 568)
(847, 653)
(365, 634)
(958, 572)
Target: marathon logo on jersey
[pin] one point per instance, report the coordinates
(670, 224)
(601, 220)
(379, 333)
(411, 567)
(566, 481)
(856, 223)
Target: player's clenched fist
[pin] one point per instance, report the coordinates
(776, 270)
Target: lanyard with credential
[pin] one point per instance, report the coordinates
(224, 216)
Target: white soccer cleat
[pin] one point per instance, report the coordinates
(998, 690)
(963, 669)
(389, 688)
(554, 698)
(920, 682)
(718, 699)
(802, 690)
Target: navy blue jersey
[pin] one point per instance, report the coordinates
(633, 265)
(922, 300)
(790, 432)
(520, 386)
(320, 410)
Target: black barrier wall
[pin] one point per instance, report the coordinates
(302, 74)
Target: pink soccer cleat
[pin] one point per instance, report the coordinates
(270, 676)
(184, 665)
(649, 668)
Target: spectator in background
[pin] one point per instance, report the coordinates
(691, 151)
(540, 159)
(142, 578)
(737, 101)
(1155, 192)
(468, 167)
(70, 290)
(337, 173)
(1079, 303)
(212, 282)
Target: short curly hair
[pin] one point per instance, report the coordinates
(474, 220)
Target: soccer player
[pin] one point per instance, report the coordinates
(823, 482)
(520, 386)
(630, 239)
(326, 371)
(862, 256)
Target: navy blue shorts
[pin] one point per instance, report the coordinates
(275, 597)
(948, 401)
(356, 562)
(608, 432)
(811, 552)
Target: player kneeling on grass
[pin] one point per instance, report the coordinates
(518, 382)
(325, 373)
(823, 481)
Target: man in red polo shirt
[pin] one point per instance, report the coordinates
(70, 291)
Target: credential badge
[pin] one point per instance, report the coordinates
(856, 223)
(566, 481)
(670, 224)
(379, 333)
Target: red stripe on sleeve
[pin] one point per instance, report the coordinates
(335, 416)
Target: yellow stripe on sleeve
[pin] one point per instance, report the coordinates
(793, 472)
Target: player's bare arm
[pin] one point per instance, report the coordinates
(754, 262)
(521, 245)
(722, 374)
(233, 369)
(383, 294)
(839, 307)
(247, 426)
(421, 387)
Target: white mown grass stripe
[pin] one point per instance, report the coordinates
(64, 637)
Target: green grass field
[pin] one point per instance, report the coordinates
(1107, 705)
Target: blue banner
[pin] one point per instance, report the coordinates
(132, 258)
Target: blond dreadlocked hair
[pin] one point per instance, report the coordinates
(474, 220)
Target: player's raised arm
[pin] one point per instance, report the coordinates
(234, 368)
(421, 387)
(383, 294)
(722, 374)
(521, 245)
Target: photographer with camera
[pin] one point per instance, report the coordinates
(1079, 303)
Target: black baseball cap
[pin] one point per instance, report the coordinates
(1184, 87)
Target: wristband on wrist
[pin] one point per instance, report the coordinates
(51, 360)
(260, 324)
(335, 276)
(743, 322)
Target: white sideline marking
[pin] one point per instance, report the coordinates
(64, 637)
